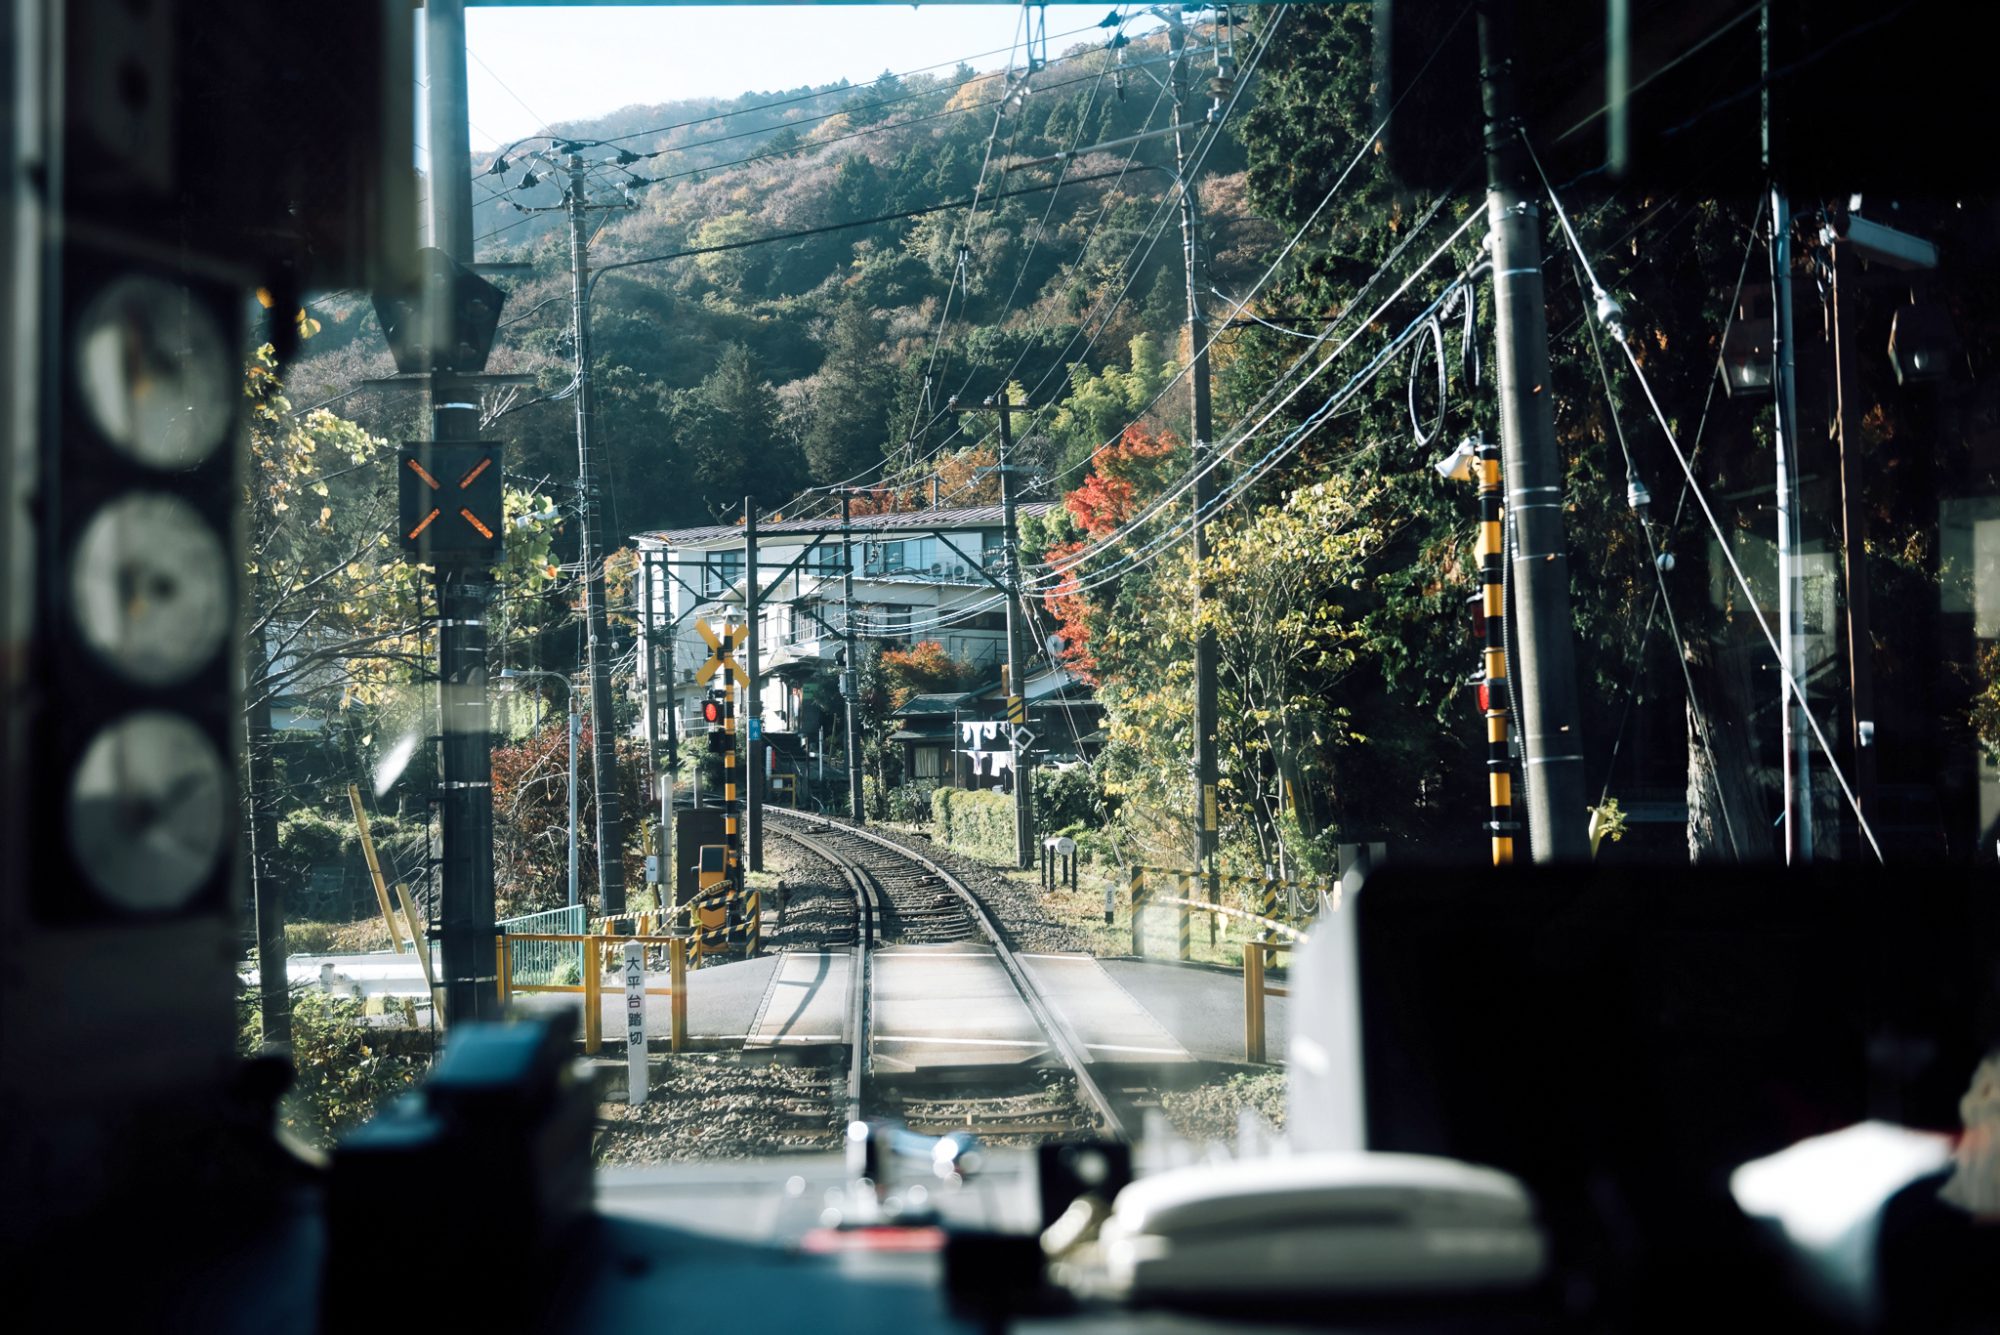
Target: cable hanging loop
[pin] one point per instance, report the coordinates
(1425, 435)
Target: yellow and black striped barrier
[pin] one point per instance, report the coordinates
(1500, 823)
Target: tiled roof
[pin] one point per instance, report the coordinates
(903, 521)
(943, 703)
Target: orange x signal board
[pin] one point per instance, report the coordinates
(450, 502)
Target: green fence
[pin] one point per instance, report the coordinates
(546, 963)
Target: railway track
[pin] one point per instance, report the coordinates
(904, 899)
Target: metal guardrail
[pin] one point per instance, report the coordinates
(538, 963)
(592, 952)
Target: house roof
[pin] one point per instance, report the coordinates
(902, 521)
(943, 703)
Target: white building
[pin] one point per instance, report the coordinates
(918, 575)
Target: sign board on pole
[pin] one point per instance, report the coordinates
(756, 727)
(635, 1020)
(722, 651)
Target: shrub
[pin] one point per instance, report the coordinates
(874, 798)
(346, 1068)
(1065, 797)
(979, 823)
(911, 803)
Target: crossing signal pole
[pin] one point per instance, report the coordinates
(1551, 734)
(597, 636)
(464, 590)
(1207, 770)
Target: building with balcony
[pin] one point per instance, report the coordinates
(918, 575)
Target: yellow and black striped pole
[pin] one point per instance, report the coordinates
(1500, 822)
(1267, 906)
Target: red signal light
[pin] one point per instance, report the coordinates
(711, 711)
(1485, 690)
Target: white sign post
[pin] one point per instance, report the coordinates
(635, 1020)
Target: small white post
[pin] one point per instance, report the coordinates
(635, 1020)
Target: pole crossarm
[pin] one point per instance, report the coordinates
(785, 570)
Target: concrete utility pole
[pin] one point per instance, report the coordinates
(464, 913)
(1207, 774)
(1854, 550)
(1551, 735)
(849, 679)
(1017, 651)
(1796, 737)
(597, 653)
(753, 703)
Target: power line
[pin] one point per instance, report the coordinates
(1610, 316)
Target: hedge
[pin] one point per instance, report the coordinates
(976, 822)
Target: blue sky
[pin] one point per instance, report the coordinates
(527, 67)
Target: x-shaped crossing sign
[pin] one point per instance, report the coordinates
(722, 650)
(451, 501)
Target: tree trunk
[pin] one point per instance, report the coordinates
(274, 983)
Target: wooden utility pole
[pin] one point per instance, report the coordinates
(1551, 734)
(1207, 771)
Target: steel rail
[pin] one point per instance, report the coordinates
(867, 922)
(1058, 1034)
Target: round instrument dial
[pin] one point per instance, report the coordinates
(149, 812)
(150, 586)
(155, 373)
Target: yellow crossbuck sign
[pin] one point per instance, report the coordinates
(722, 650)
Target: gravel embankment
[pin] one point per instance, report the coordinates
(1209, 1112)
(713, 1106)
(819, 907)
(1018, 909)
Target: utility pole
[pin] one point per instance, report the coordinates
(1854, 553)
(850, 678)
(1017, 656)
(652, 674)
(1796, 740)
(1551, 733)
(673, 768)
(753, 703)
(1207, 774)
(603, 736)
(464, 914)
